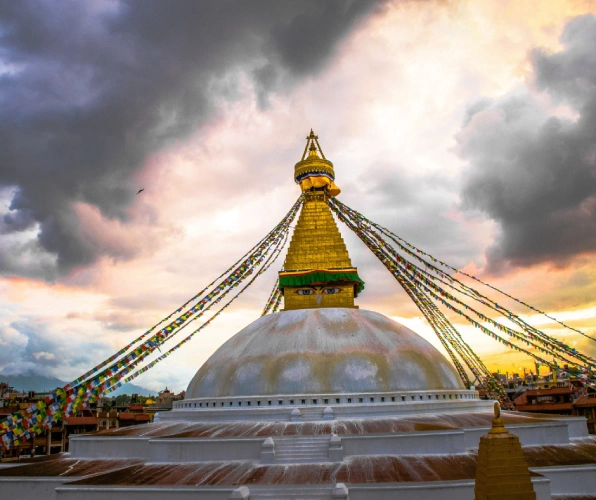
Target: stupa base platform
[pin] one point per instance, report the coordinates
(413, 477)
(313, 407)
(411, 457)
(435, 490)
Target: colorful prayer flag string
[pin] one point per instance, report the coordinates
(113, 371)
(423, 285)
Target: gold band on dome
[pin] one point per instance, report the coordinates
(321, 276)
(309, 271)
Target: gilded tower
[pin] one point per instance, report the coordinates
(318, 271)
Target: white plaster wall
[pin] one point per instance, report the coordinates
(435, 490)
(422, 443)
(578, 427)
(30, 488)
(212, 449)
(543, 433)
(51, 489)
(139, 493)
(570, 479)
(412, 407)
(109, 447)
(204, 450)
(542, 488)
(342, 411)
(6, 465)
(284, 491)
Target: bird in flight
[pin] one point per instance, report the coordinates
(140, 190)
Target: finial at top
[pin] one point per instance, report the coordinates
(497, 409)
(312, 144)
(315, 172)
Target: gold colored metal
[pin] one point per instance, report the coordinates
(314, 171)
(502, 471)
(313, 163)
(498, 426)
(316, 242)
(317, 245)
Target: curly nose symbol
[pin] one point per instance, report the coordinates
(319, 297)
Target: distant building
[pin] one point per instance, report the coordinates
(83, 422)
(134, 416)
(47, 442)
(165, 399)
(114, 417)
(557, 400)
(107, 419)
(90, 419)
(585, 406)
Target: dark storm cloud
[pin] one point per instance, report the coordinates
(89, 89)
(533, 173)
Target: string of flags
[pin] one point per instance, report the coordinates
(125, 349)
(445, 331)
(425, 278)
(418, 254)
(444, 338)
(116, 370)
(471, 359)
(274, 301)
(458, 271)
(493, 388)
(426, 285)
(419, 273)
(106, 379)
(270, 260)
(275, 297)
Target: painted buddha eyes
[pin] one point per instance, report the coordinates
(312, 291)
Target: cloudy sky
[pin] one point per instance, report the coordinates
(468, 128)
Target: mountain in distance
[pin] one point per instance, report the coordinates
(39, 383)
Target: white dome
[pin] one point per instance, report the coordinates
(318, 351)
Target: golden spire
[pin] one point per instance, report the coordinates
(318, 271)
(314, 171)
(502, 471)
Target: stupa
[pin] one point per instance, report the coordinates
(320, 400)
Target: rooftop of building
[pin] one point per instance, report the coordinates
(551, 391)
(81, 421)
(587, 400)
